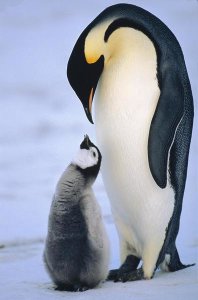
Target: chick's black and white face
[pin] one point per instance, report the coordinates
(86, 158)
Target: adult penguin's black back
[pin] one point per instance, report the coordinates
(169, 132)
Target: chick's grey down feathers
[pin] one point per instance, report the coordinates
(75, 253)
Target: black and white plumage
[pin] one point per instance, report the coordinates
(134, 65)
(76, 251)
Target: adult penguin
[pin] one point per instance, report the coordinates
(135, 67)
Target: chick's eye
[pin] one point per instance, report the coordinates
(94, 154)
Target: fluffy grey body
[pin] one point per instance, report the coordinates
(76, 250)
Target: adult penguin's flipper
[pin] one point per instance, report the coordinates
(168, 113)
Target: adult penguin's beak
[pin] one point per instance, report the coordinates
(84, 76)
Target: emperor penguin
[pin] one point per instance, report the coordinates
(76, 251)
(133, 64)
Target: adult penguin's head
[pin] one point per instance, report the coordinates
(92, 52)
(98, 44)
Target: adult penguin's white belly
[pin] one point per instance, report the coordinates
(125, 102)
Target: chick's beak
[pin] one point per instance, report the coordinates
(85, 143)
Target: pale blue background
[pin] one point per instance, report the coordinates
(42, 123)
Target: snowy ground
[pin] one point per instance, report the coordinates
(42, 124)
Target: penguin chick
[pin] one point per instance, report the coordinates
(76, 251)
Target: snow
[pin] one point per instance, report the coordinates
(42, 123)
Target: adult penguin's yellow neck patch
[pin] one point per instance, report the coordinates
(94, 43)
